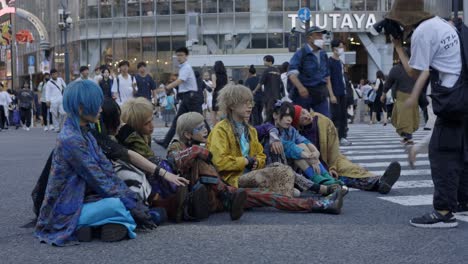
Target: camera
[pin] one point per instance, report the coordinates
(389, 27)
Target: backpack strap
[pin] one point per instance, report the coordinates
(118, 88)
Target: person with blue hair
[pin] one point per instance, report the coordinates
(84, 198)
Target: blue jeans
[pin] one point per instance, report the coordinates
(323, 107)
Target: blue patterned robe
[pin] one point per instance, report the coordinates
(78, 167)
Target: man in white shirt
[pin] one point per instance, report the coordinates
(84, 73)
(436, 54)
(54, 98)
(188, 93)
(124, 86)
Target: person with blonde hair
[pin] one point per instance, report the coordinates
(239, 159)
(137, 114)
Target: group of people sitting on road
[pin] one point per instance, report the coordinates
(103, 180)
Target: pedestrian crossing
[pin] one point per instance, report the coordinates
(375, 146)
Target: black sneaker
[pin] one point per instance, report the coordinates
(113, 232)
(435, 220)
(237, 202)
(391, 175)
(84, 234)
(197, 204)
(462, 208)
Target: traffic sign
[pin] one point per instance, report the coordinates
(31, 70)
(31, 60)
(304, 14)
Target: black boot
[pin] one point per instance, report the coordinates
(391, 175)
(197, 204)
(234, 203)
(330, 204)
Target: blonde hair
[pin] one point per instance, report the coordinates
(187, 123)
(136, 111)
(233, 95)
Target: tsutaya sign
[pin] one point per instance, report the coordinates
(340, 21)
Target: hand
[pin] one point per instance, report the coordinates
(333, 99)
(277, 147)
(411, 101)
(383, 98)
(396, 42)
(334, 174)
(175, 179)
(316, 167)
(303, 92)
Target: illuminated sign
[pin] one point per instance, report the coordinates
(339, 21)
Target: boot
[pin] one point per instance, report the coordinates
(234, 203)
(174, 205)
(330, 204)
(196, 205)
(391, 175)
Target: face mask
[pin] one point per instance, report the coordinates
(319, 43)
(340, 51)
(47, 79)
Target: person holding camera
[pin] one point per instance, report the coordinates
(436, 55)
(309, 73)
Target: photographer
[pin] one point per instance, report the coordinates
(436, 54)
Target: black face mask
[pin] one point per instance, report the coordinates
(47, 79)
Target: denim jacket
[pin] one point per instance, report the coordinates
(312, 74)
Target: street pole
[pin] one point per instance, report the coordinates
(307, 24)
(67, 65)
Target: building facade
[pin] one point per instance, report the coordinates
(240, 32)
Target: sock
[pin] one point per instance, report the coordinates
(309, 172)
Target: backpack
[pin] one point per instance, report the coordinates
(134, 178)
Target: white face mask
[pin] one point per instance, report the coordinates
(319, 43)
(340, 51)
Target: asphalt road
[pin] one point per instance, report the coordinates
(370, 229)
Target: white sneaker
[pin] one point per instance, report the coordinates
(27, 129)
(345, 142)
(51, 127)
(46, 128)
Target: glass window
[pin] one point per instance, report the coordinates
(210, 6)
(343, 5)
(275, 5)
(133, 8)
(258, 15)
(106, 51)
(178, 42)
(178, 6)
(119, 8)
(358, 5)
(163, 7)
(259, 41)
(291, 5)
(106, 11)
(93, 53)
(275, 21)
(226, 6)
(147, 7)
(149, 49)
(325, 5)
(242, 5)
(163, 44)
(134, 52)
(374, 5)
(82, 9)
(92, 9)
(275, 40)
(194, 6)
(314, 5)
(83, 53)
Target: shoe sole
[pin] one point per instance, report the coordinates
(84, 234)
(338, 203)
(181, 194)
(436, 225)
(113, 232)
(237, 207)
(200, 203)
(391, 175)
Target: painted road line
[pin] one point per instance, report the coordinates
(409, 200)
(462, 216)
(385, 156)
(413, 184)
(407, 172)
(352, 147)
(385, 164)
(377, 151)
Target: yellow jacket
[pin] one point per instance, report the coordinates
(227, 155)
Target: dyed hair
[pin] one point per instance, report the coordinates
(233, 95)
(85, 94)
(282, 109)
(186, 123)
(136, 111)
(110, 116)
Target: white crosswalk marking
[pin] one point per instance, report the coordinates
(374, 147)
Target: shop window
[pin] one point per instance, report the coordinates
(120, 50)
(358, 5)
(163, 44)
(133, 8)
(134, 52)
(92, 9)
(178, 42)
(226, 6)
(147, 7)
(119, 8)
(210, 6)
(275, 5)
(275, 40)
(163, 7)
(242, 5)
(193, 6)
(259, 41)
(291, 5)
(106, 9)
(83, 9)
(106, 51)
(178, 7)
(374, 5)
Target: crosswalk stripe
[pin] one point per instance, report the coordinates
(406, 172)
(413, 184)
(385, 157)
(354, 147)
(409, 200)
(377, 151)
(385, 164)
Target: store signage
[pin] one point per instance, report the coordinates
(339, 21)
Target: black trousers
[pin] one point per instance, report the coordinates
(25, 114)
(44, 111)
(190, 102)
(449, 166)
(256, 117)
(339, 113)
(3, 120)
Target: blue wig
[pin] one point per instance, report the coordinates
(86, 94)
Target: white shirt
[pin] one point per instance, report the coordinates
(125, 85)
(5, 98)
(54, 93)
(187, 75)
(435, 44)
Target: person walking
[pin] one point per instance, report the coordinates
(188, 94)
(436, 55)
(54, 98)
(45, 112)
(252, 83)
(25, 103)
(309, 73)
(5, 100)
(405, 120)
(124, 87)
(272, 84)
(220, 79)
(84, 74)
(377, 105)
(145, 83)
(106, 83)
(339, 84)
